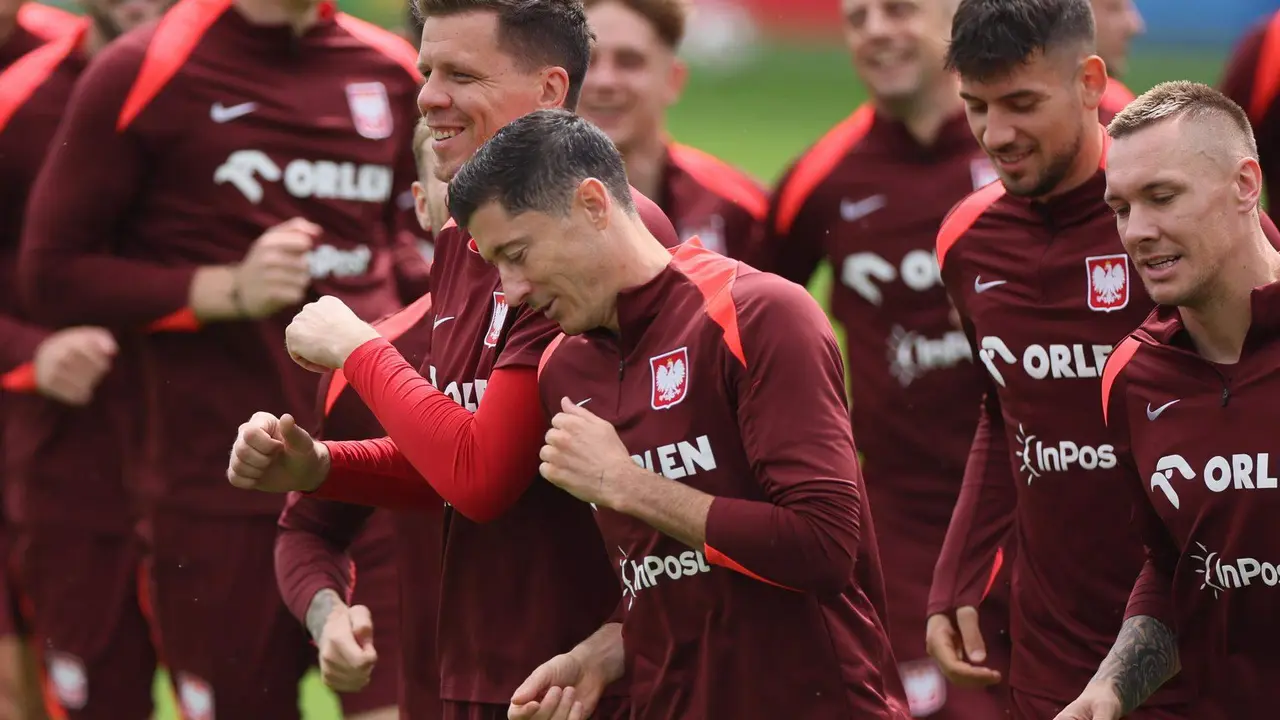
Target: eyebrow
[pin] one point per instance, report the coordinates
(1152, 186)
(1008, 97)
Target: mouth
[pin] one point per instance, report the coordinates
(1160, 265)
(1011, 160)
(442, 134)
(885, 59)
(601, 113)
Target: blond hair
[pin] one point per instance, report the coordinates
(1183, 99)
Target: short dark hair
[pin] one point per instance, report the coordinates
(992, 38)
(413, 22)
(668, 17)
(1179, 99)
(535, 163)
(537, 33)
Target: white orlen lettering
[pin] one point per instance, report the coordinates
(918, 270)
(1239, 471)
(1220, 575)
(467, 394)
(647, 572)
(324, 179)
(1039, 457)
(328, 260)
(911, 354)
(1057, 361)
(679, 460)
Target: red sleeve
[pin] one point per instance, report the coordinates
(311, 549)
(91, 179)
(793, 251)
(18, 344)
(1238, 76)
(482, 463)
(374, 472)
(983, 515)
(805, 535)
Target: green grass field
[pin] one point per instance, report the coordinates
(761, 116)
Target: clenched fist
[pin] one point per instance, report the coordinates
(70, 363)
(275, 455)
(325, 333)
(276, 273)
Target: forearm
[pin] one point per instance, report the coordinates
(18, 343)
(374, 473)
(324, 603)
(672, 508)
(1144, 657)
(63, 289)
(214, 294)
(603, 652)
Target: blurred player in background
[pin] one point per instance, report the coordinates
(312, 564)
(197, 194)
(635, 76)
(525, 574)
(1252, 80)
(869, 197)
(1116, 24)
(1042, 285)
(77, 557)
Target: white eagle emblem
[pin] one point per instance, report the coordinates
(1108, 278)
(670, 378)
(498, 320)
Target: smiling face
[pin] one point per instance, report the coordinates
(634, 76)
(555, 264)
(473, 86)
(1032, 120)
(898, 46)
(1180, 201)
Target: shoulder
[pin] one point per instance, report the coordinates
(45, 21)
(383, 46)
(722, 179)
(817, 163)
(964, 215)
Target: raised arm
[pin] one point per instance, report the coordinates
(311, 553)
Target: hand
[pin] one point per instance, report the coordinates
(275, 274)
(1097, 702)
(325, 333)
(70, 363)
(275, 455)
(347, 655)
(562, 688)
(945, 644)
(583, 455)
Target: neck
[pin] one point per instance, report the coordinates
(1087, 160)
(1219, 325)
(94, 40)
(639, 259)
(646, 162)
(925, 113)
(299, 15)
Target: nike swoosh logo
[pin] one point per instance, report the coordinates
(584, 402)
(220, 113)
(981, 287)
(440, 322)
(1153, 414)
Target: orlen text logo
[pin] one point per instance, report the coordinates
(1044, 361)
(1242, 471)
(918, 271)
(467, 394)
(324, 179)
(1039, 457)
(679, 459)
(647, 572)
(911, 354)
(327, 260)
(1221, 575)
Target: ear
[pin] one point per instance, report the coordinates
(420, 206)
(554, 90)
(1248, 184)
(1093, 81)
(676, 78)
(593, 198)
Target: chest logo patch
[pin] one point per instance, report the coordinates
(370, 109)
(498, 320)
(670, 378)
(1108, 282)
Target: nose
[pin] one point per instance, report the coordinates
(1136, 228)
(1134, 18)
(875, 25)
(997, 132)
(514, 285)
(433, 95)
(601, 75)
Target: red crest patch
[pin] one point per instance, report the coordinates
(670, 378)
(1108, 282)
(370, 109)
(498, 320)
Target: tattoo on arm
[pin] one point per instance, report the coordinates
(1144, 657)
(322, 604)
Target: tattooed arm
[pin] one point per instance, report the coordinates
(1144, 657)
(322, 605)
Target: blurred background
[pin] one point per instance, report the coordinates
(769, 77)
